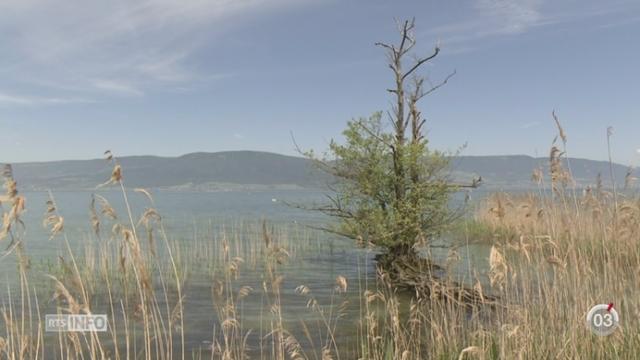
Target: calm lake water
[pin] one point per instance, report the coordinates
(202, 217)
(184, 213)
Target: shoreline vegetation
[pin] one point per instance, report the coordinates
(552, 256)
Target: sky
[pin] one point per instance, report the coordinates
(169, 77)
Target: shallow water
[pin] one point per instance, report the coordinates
(203, 220)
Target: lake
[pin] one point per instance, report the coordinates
(200, 223)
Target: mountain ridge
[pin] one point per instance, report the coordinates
(247, 169)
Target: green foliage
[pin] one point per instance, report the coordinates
(372, 201)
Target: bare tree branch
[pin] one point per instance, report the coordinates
(386, 46)
(420, 62)
(405, 36)
(374, 135)
(441, 84)
(332, 231)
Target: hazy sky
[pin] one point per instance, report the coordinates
(168, 77)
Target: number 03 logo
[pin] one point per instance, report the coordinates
(603, 319)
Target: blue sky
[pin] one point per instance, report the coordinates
(169, 77)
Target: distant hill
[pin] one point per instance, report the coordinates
(260, 170)
(515, 171)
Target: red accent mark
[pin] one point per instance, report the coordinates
(610, 307)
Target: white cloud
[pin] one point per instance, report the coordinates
(529, 125)
(620, 22)
(168, 68)
(12, 99)
(67, 45)
(511, 16)
(494, 18)
(491, 18)
(119, 87)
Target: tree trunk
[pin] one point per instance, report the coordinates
(401, 261)
(404, 269)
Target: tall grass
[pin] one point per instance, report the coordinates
(140, 284)
(557, 252)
